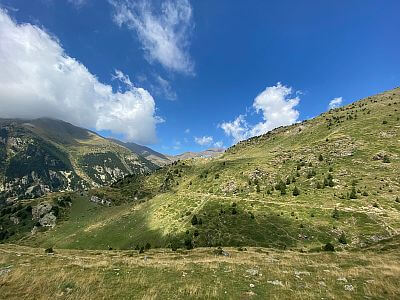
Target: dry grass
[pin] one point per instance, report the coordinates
(199, 274)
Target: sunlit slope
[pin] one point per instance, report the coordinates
(333, 179)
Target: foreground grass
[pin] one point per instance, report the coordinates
(258, 273)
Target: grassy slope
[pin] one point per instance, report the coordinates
(257, 273)
(200, 187)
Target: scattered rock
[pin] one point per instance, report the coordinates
(5, 271)
(343, 279)
(98, 200)
(349, 287)
(252, 285)
(252, 272)
(275, 282)
(14, 219)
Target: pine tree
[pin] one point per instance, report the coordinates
(194, 220)
(353, 194)
(296, 191)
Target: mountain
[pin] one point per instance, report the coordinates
(45, 155)
(332, 180)
(146, 152)
(209, 153)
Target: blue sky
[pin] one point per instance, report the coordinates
(204, 64)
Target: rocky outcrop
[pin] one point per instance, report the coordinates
(44, 215)
(100, 201)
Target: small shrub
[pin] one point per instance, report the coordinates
(296, 191)
(320, 157)
(386, 159)
(188, 243)
(194, 220)
(342, 238)
(353, 194)
(49, 250)
(335, 214)
(329, 247)
(147, 246)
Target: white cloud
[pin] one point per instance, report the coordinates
(38, 79)
(219, 144)
(164, 35)
(165, 88)
(277, 108)
(335, 103)
(237, 129)
(204, 140)
(187, 130)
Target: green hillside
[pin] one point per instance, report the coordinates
(333, 179)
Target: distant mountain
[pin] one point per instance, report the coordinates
(45, 155)
(146, 152)
(213, 152)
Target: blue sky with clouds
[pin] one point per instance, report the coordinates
(188, 75)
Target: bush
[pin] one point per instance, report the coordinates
(329, 247)
(258, 188)
(320, 158)
(353, 194)
(342, 238)
(49, 250)
(283, 190)
(234, 211)
(335, 214)
(397, 199)
(386, 159)
(188, 243)
(194, 220)
(296, 191)
(147, 246)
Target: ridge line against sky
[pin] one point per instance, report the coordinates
(183, 75)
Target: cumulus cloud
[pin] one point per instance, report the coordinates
(204, 140)
(238, 129)
(335, 103)
(164, 35)
(277, 107)
(38, 79)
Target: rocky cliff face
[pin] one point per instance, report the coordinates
(37, 157)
